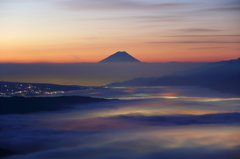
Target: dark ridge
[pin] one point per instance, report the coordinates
(228, 85)
(4, 153)
(34, 89)
(222, 76)
(43, 86)
(120, 56)
(22, 105)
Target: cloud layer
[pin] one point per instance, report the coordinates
(167, 122)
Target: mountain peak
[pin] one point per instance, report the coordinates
(120, 56)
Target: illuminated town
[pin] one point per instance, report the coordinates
(34, 89)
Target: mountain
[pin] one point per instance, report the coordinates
(201, 76)
(120, 56)
(222, 72)
(230, 84)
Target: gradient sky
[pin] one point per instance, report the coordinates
(64, 31)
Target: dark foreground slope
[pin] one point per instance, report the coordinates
(4, 153)
(22, 105)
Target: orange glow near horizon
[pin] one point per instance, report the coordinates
(146, 53)
(84, 31)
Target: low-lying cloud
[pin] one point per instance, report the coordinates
(227, 118)
(196, 42)
(90, 74)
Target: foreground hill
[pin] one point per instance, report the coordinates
(22, 105)
(4, 153)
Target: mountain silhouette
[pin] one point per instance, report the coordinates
(222, 76)
(229, 84)
(120, 56)
(210, 73)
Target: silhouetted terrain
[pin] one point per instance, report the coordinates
(230, 84)
(22, 105)
(4, 153)
(207, 74)
(120, 56)
(44, 86)
(33, 89)
(222, 76)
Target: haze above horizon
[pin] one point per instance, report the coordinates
(76, 31)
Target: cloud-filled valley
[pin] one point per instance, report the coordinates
(177, 122)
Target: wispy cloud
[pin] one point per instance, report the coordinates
(198, 30)
(144, 18)
(203, 36)
(76, 57)
(206, 48)
(231, 5)
(224, 9)
(116, 5)
(182, 119)
(189, 42)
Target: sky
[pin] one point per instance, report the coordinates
(73, 31)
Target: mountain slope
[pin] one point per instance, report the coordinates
(230, 84)
(120, 56)
(204, 75)
(207, 74)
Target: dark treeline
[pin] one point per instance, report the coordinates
(22, 105)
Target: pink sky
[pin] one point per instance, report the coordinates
(56, 31)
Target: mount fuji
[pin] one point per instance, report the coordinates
(120, 56)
